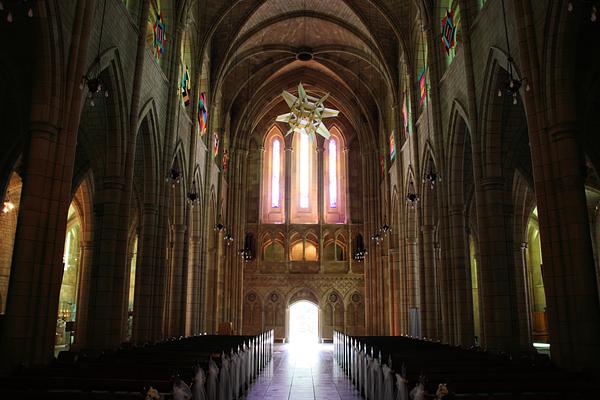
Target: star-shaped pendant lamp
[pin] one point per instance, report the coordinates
(306, 113)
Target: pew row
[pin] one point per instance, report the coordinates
(215, 367)
(390, 368)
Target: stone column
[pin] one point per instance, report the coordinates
(428, 303)
(194, 285)
(29, 325)
(569, 273)
(144, 310)
(289, 153)
(460, 311)
(176, 305)
(320, 195)
(107, 292)
(395, 260)
(85, 265)
(497, 268)
(523, 254)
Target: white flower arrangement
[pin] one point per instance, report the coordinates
(442, 391)
(152, 394)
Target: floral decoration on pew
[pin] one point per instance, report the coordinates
(442, 391)
(152, 394)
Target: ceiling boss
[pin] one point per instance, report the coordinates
(306, 113)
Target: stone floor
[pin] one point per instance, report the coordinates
(302, 373)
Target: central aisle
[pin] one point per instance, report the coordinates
(302, 372)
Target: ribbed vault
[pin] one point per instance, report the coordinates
(354, 48)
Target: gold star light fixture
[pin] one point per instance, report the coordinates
(306, 113)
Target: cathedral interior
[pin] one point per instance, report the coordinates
(154, 185)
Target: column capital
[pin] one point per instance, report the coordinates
(179, 228)
(150, 208)
(113, 182)
(456, 209)
(561, 131)
(427, 228)
(492, 183)
(43, 127)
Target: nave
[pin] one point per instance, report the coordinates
(300, 372)
(180, 169)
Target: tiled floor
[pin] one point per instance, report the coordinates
(302, 373)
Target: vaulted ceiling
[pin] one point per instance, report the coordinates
(351, 47)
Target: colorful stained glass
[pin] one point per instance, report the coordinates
(215, 144)
(160, 36)
(185, 85)
(225, 160)
(423, 86)
(448, 31)
(202, 114)
(392, 146)
(405, 114)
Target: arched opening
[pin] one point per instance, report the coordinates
(539, 320)
(67, 305)
(273, 175)
(8, 226)
(304, 323)
(474, 289)
(132, 256)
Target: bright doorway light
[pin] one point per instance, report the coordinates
(304, 323)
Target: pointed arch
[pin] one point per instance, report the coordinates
(113, 109)
(334, 180)
(303, 199)
(273, 177)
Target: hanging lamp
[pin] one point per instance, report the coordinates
(96, 88)
(514, 84)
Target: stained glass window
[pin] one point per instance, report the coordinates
(304, 167)
(159, 29)
(185, 84)
(450, 29)
(215, 144)
(332, 173)
(423, 86)
(275, 173)
(202, 113)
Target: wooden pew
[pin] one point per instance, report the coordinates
(468, 373)
(127, 372)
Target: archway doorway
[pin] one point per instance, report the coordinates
(67, 308)
(537, 293)
(304, 323)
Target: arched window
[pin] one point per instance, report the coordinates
(474, 286)
(334, 248)
(537, 303)
(273, 188)
(304, 172)
(186, 70)
(450, 28)
(304, 249)
(274, 251)
(332, 153)
(276, 162)
(303, 203)
(422, 77)
(334, 165)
